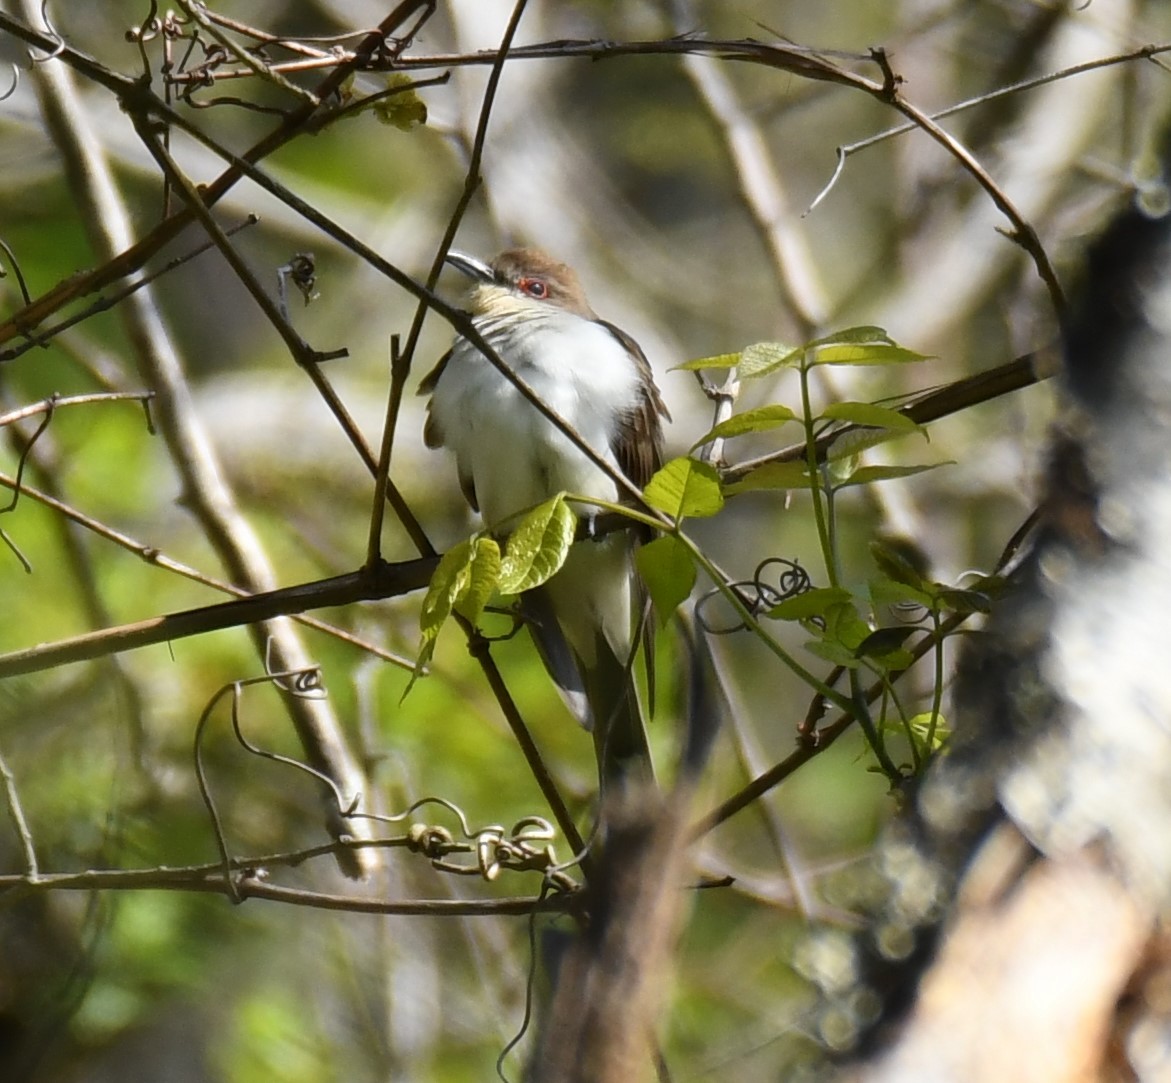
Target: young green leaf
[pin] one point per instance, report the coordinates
(812, 603)
(482, 580)
(685, 488)
(538, 546)
(866, 475)
(761, 358)
(668, 570)
(833, 653)
(865, 353)
(866, 333)
(928, 725)
(854, 441)
(761, 419)
(871, 415)
(447, 584)
(403, 109)
(718, 361)
(884, 591)
(791, 475)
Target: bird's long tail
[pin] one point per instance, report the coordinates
(620, 738)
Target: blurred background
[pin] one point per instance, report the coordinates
(691, 196)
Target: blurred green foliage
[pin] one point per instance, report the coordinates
(621, 168)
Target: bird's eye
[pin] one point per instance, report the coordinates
(534, 287)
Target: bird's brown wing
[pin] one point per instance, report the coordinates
(638, 441)
(433, 432)
(427, 384)
(638, 447)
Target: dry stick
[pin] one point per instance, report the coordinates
(207, 494)
(103, 304)
(253, 887)
(386, 581)
(806, 64)
(153, 556)
(135, 95)
(401, 368)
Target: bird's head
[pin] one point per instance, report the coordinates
(521, 282)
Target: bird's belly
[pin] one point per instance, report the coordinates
(515, 455)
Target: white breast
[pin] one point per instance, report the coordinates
(515, 456)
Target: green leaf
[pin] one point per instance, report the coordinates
(964, 601)
(866, 333)
(482, 579)
(791, 475)
(538, 546)
(759, 420)
(403, 109)
(883, 641)
(892, 592)
(449, 585)
(446, 585)
(865, 353)
(667, 568)
(833, 652)
(921, 726)
(812, 603)
(866, 475)
(901, 561)
(839, 469)
(685, 488)
(872, 416)
(854, 441)
(718, 361)
(761, 358)
(844, 626)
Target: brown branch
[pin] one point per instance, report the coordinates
(385, 581)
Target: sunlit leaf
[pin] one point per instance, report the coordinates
(761, 419)
(538, 546)
(667, 568)
(761, 358)
(867, 353)
(719, 361)
(403, 109)
(685, 488)
(926, 731)
(871, 415)
(791, 475)
(483, 578)
(447, 583)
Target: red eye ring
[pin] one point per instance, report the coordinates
(534, 287)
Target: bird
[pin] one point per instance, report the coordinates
(532, 310)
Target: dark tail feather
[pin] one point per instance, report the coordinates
(556, 653)
(619, 734)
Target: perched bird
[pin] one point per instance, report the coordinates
(533, 312)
